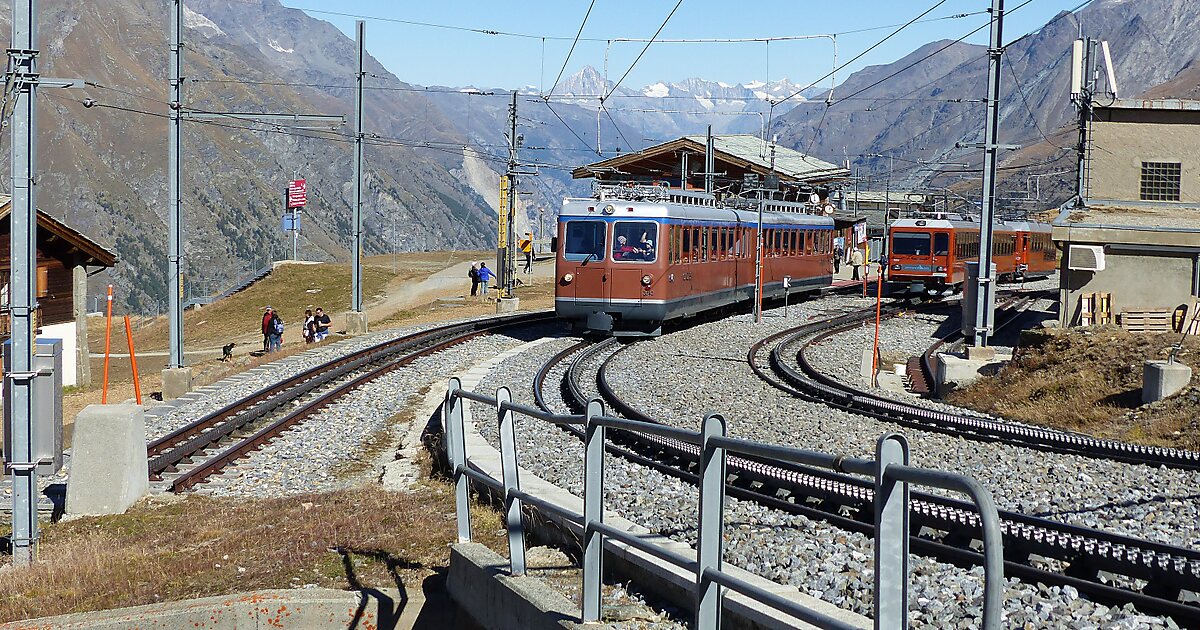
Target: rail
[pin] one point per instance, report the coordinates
(890, 470)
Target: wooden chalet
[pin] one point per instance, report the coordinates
(65, 259)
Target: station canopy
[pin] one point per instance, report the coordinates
(735, 156)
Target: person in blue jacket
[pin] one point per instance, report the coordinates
(485, 277)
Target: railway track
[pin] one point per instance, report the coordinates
(794, 374)
(200, 450)
(1109, 568)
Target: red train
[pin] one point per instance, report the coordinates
(632, 257)
(929, 255)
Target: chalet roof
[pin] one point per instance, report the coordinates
(744, 151)
(93, 253)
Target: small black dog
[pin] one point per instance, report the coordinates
(227, 351)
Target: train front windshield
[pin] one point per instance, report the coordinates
(584, 240)
(910, 243)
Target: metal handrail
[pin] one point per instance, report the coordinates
(890, 469)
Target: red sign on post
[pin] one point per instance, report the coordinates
(297, 193)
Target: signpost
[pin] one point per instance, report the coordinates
(297, 197)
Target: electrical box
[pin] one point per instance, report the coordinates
(971, 297)
(47, 422)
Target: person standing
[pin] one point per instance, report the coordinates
(266, 328)
(276, 332)
(321, 321)
(485, 277)
(527, 247)
(473, 274)
(838, 253)
(856, 261)
(310, 327)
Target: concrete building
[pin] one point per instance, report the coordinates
(65, 260)
(1135, 239)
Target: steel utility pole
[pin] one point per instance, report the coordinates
(22, 59)
(356, 248)
(508, 251)
(985, 294)
(1082, 85)
(176, 115)
(174, 196)
(24, 81)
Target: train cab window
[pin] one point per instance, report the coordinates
(635, 241)
(941, 244)
(584, 240)
(910, 243)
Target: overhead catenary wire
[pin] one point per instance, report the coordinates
(572, 49)
(645, 48)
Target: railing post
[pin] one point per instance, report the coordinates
(593, 512)
(891, 535)
(508, 460)
(710, 545)
(456, 448)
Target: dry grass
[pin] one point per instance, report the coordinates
(197, 546)
(1090, 380)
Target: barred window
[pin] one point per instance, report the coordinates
(1160, 181)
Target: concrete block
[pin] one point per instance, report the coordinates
(356, 323)
(981, 353)
(952, 371)
(176, 382)
(508, 305)
(108, 460)
(1162, 379)
(481, 586)
(867, 365)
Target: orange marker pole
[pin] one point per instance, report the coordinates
(875, 350)
(137, 385)
(107, 347)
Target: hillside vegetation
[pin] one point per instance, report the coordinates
(1090, 380)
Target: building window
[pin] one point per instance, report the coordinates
(1160, 181)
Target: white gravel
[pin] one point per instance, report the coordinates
(817, 558)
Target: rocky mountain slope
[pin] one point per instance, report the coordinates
(921, 112)
(103, 168)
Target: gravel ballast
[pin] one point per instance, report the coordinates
(818, 558)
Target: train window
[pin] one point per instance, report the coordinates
(910, 243)
(635, 241)
(703, 244)
(585, 240)
(941, 244)
(687, 243)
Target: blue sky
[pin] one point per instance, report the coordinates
(437, 56)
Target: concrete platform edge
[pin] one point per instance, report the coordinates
(651, 574)
(293, 608)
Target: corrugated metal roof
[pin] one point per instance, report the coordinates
(751, 148)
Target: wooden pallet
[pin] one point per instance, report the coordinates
(1153, 321)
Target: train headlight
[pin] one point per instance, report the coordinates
(568, 277)
(646, 280)
(609, 209)
(941, 269)
(896, 267)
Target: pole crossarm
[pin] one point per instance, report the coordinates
(269, 117)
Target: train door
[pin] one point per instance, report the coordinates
(583, 256)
